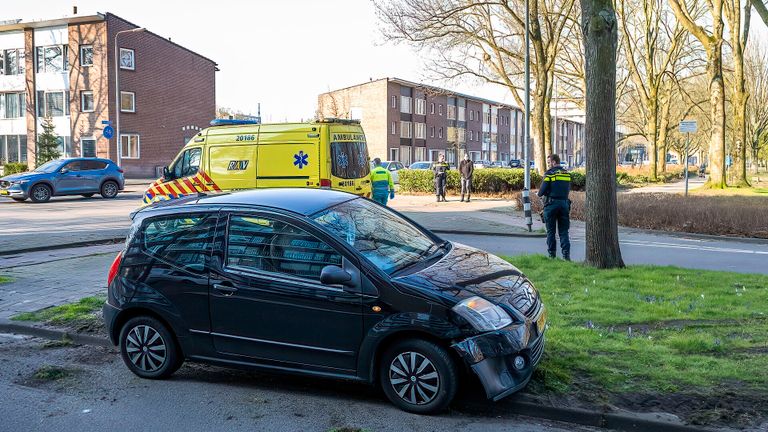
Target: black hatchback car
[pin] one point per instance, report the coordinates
(323, 283)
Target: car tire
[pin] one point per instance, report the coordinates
(88, 195)
(413, 385)
(40, 193)
(109, 189)
(149, 349)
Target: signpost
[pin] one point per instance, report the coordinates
(108, 131)
(686, 127)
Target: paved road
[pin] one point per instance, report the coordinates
(101, 394)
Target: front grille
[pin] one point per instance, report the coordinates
(537, 350)
(526, 303)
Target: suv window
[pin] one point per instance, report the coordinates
(263, 244)
(183, 241)
(188, 163)
(93, 165)
(73, 166)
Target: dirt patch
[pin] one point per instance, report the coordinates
(47, 375)
(94, 356)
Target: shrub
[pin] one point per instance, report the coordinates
(486, 180)
(14, 167)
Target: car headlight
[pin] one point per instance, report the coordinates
(19, 182)
(482, 314)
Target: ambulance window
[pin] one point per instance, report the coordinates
(188, 164)
(350, 159)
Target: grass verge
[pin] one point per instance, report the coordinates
(83, 313)
(649, 330)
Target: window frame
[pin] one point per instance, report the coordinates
(83, 47)
(83, 93)
(133, 95)
(141, 242)
(82, 147)
(122, 147)
(406, 126)
(133, 59)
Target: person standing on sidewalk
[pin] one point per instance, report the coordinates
(466, 169)
(382, 186)
(554, 190)
(440, 169)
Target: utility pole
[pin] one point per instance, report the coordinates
(527, 131)
(686, 127)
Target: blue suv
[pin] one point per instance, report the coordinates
(72, 176)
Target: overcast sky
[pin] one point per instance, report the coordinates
(281, 53)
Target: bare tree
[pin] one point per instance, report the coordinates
(738, 24)
(756, 78)
(761, 9)
(600, 42)
(483, 40)
(711, 37)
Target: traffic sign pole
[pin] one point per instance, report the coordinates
(687, 145)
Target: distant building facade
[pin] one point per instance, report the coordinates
(411, 122)
(65, 69)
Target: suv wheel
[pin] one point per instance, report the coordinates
(109, 189)
(418, 376)
(148, 348)
(40, 193)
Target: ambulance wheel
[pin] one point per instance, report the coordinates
(109, 189)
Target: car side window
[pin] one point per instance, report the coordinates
(263, 244)
(181, 240)
(188, 164)
(74, 166)
(93, 165)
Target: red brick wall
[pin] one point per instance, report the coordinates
(174, 88)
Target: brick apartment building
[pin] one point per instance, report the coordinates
(65, 69)
(410, 122)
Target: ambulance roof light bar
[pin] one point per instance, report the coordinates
(232, 122)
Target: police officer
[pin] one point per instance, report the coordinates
(554, 190)
(466, 169)
(440, 169)
(381, 183)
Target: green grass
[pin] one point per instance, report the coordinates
(81, 311)
(4, 279)
(51, 373)
(650, 329)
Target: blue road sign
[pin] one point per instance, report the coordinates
(106, 122)
(109, 132)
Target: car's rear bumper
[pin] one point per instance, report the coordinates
(110, 315)
(492, 357)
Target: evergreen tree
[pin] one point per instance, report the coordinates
(47, 143)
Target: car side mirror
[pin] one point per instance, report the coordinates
(334, 275)
(166, 173)
(64, 170)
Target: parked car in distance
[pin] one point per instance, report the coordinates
(499, 164)
(393, 167)
(321, 283)
(71, 176)
(422, 165)
(482, 164)
(515, 163)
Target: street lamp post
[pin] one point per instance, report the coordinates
(527, 129)
(117, 93)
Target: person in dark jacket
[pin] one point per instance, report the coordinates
(466, 169)
(554, 190)
(440, 169)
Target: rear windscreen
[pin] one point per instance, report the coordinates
(349, 159)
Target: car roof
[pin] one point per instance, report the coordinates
(72, 159)
(303, 201)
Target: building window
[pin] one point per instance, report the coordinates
(12, 62)
(52, 59)
(431, 131)
(421, 107)
(127, 59)
(462, 114)
(86, 101)
(394, 101)
(440, 109)
(432, 108)
(420, 153)
(127, 101)
(52, 104)
(440, 133)
(13, 148)
(405, 104)
(451, 112)
(421, 130)
(471, 134)
(471, 115)
(86, 55)
(394, 154)
(393, 128)
(129, 144)
(405, 129)
(88, 147)
(12, 105)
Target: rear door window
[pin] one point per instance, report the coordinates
(349, 159)
(263, 244)
(93, 165)
(183, 241)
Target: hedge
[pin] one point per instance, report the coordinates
(486, 180)
(14, 167)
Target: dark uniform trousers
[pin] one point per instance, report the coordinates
(556, 216)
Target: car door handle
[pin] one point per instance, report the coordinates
(227, 290)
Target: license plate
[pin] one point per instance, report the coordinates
(3, 192)
(541, 322)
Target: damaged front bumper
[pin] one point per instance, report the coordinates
(492, 356)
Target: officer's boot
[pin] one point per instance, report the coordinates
(468, 197)
(438, 197)
(567, 255)
(462, 197)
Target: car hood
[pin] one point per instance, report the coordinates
(465, 272)
(20, 176)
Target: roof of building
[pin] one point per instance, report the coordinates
(17, 25)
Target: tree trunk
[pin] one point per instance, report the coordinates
(651, 134)
(716, 154)
(661, 138)
(598, 23)
(739, 90)
(541, 124)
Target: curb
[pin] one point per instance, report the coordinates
(52, 334)
(681, 234)
(579, 416)
(95, 242)
(488, 233)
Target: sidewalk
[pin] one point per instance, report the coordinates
(674, 187)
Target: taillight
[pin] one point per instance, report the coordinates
(325, 183)
(114, 267)
(120, 170)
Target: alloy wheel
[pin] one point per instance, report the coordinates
(146, 348)
(41, 193)
(414, 378)
(110, 190)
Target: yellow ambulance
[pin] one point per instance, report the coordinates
(241, 154)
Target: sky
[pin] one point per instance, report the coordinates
(280, 53)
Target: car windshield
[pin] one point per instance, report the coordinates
(387, 240)
(49, 167)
